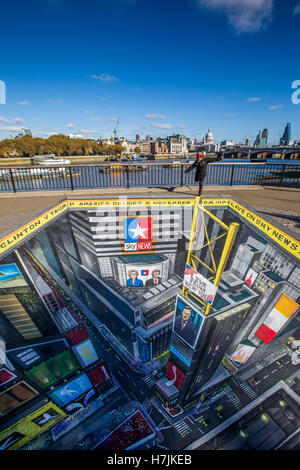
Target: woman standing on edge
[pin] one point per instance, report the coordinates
(200, 164)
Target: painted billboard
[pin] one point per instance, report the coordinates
(77, 335)
(187, 321)
(72, 390)
(242, 353)
(280, 314)
(6, 376)
(10, 276)
(99, 375)
(137, 233)
(251, 277)
(49, 372)
(82, 402)
(175, 375)
(27, 357)
(85, 353)
(129, 435)
(15, 396)
(28, 428)
(199, 285)
(143, 276)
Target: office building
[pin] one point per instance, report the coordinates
(286, 138)
(196, 354)
(88, 253)
(178, 144)
(261, 140)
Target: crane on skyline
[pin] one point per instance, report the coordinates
(115, 129)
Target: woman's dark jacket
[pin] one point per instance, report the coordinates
(201, 166)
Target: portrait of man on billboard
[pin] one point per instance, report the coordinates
(155, 279)
(133, 279)
(187, 323)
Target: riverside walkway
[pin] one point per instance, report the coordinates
(280, 204)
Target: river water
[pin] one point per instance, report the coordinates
(227, 172)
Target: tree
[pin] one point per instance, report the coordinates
(118, 149)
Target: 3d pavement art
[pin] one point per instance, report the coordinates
(171, 320)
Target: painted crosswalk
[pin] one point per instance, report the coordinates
(234, 399)
(248, 390)
(149, 381)
(183, 428)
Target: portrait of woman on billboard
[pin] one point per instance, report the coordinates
(187, 322)
(133, 279)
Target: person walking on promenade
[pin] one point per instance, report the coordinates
(200, 164)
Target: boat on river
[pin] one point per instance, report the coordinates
(50, 160)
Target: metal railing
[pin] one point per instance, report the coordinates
(145, 174)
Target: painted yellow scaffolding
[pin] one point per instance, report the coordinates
(194, 255)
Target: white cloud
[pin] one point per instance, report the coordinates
(105, 77)
(58, 101)
(159, 125)
(46, 133)
(18, 120)
(10, 129)
(246, 16)
(87, 111)
(70, 125)
(104, 119)
(89, 131)
(296, 9)
(276, 106)
(4, 120)
(24, 103)
(254, 98)
(155, 116)
(183, 126)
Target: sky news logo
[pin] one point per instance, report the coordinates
(2, 92)
(2, 352)
(296, 93)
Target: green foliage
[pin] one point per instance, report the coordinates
(59, 145)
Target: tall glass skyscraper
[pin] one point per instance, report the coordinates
(261, 140)
(287, 135)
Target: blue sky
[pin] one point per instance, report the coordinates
(160, 66)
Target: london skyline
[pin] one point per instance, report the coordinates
(70, 70)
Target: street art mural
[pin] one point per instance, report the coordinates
(143, 300)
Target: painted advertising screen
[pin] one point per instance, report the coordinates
(99, 375)
(27, 357)
(16, 396)
(251, 277)
(280, 314)
(175, 375)
(199, 285)
(81, 402)
(10, 276)
(143, 276)
(187, 322)
(242, 353)
(71, 390)
(85, 353)
(30, 427)
(6, 376)
(77, 336)
(56, 368)
(128, 435)
(137, 233)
